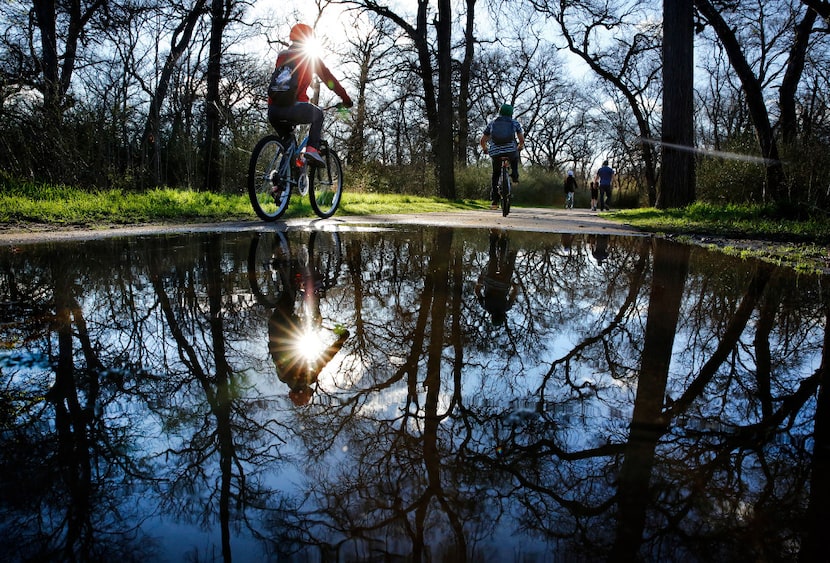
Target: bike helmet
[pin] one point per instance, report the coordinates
(506, 109)
(300, 397)
(300, 32)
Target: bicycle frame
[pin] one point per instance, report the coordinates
(278, 168)
(290, 157)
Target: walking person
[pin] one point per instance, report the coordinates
(503, 136)
(570, 188)
(594, 195)
(605, 175)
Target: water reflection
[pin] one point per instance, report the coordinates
(299, 344)
(495, 289)
(628, 399)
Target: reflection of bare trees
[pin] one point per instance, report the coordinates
(665, 401)
(648, 422)
(818, 509)
(63, 451)
(230, 446)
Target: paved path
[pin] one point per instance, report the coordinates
(523, 219)
(543, 220)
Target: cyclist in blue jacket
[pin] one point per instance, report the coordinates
(503, 136)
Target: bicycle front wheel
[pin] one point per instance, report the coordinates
(326, 256)
(325, 185)
(505, 192)
(269, 179)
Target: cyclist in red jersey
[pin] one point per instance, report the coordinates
(302, 110)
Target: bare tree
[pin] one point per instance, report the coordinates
(437, 99)
(179, 42)
(57, 68)
(755, 100)
(620, 44)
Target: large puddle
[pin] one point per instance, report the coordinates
(424, 394)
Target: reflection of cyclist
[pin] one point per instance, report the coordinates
(495, 289)
(294, 339)
(303, 111)
(500, 140)
(599, 248)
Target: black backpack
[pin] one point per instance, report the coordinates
(282, 88)
(501, 131)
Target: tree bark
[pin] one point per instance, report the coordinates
(463, 141)
(677, 179)
(789, 84)
(445, 157)
(211, 152)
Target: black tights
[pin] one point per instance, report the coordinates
(514, 172)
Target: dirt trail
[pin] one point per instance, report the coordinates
(522, 219)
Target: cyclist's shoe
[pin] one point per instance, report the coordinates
(494, 205)
(312, 156)
(515, 180)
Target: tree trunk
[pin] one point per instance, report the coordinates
(211, 153)
(356, 146)
(463, 141)
(178, 44)
(445, 157)
(677, 179)
(792, 76)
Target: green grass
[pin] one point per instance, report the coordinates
(27, 203)
(784, 237)
(764, 222)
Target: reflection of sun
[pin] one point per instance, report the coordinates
(310, 344)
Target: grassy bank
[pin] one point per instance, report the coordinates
(734, 221)
(784, 237)
(27, 203)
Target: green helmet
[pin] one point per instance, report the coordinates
(506, 109)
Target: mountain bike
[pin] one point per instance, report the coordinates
(278, 167)
(505, 185)
(274, 269)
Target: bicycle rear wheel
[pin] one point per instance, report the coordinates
(325, 185)
(269, 179)
(505, 192)
(269, 267)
